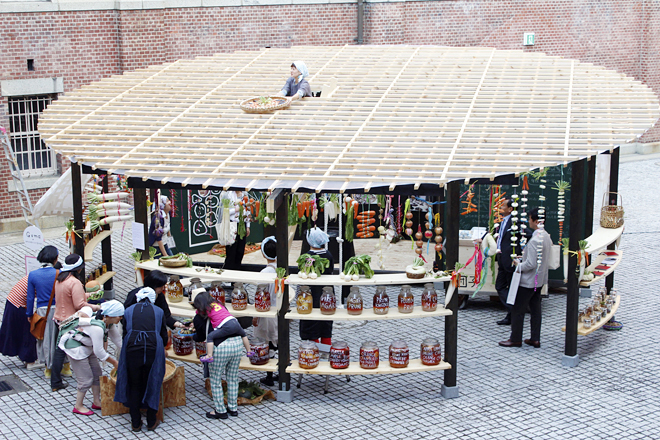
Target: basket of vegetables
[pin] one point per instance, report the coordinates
(249, 393)
(311, 266)
(179, 260)
(264, 104)
(356, 266)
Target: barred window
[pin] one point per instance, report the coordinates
(33, 156)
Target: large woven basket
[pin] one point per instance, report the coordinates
(170, 369)
(173, 263)
(611, 216)
(252, 105)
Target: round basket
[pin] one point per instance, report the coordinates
(253, 105)
(173, 263)
(170, 369)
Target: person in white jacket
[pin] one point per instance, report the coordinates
(534, 268)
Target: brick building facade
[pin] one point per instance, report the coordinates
(79, 42)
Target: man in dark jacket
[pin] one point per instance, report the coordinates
(157, 281)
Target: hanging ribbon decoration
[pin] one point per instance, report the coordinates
(484, 271)
(428, 243)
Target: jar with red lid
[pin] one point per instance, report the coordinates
(239, 297)
(339, 355)
(328, 302)
(182, 342)
(406, 300)
(381, 301)
(200, 348)
(261, 353)
(354, 301)
(304, 301)
(308, 355)
(217, 292)
(262, 298)
(399, 354)
(429, 298)
(430, 352)
(369, 355)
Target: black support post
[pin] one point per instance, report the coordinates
(576, 229)
(284, 352)
(141, 216)
(78, 221)
(106, 246)
(612, 200)
(589, 205)
(451, 322)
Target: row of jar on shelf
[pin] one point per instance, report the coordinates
(601, 306)
(339, 358)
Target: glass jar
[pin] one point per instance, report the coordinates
(308, 355)
(304, 302)
(104, 268)
(195, 283)
(182, 342)
(381, 301)
(261, 352)
(339, 355)
(239, 297)
(354, 301)
(406, 300)
(174, 289)
(586, 323)
(262, 298)
(217, 292)
(369, 355)
(200, 349)
(399, 354)
(603, 312)
(430, 352)
(328, 301)
(429, 298)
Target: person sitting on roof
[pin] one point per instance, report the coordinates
(297, 86)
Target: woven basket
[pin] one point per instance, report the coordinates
(173, 263)
(611, 216)
(170, 369)
(252, 105)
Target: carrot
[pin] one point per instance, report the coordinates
(245, 199)
(368, 213)
(362, 227)
(258, 204)
(300, 209)
(355, 208)
(282, 285)
(364, 234)
(367, 221)
(308, 208)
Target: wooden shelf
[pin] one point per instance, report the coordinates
(595, 326)
(603, 237)
(95, 241)
(376, 280)
(105, 277)
(226, 276)
(184, 309)
(414, 366)
(368, 314)
(597, 261)
(245, 362)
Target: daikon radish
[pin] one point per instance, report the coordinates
(96, 198)
(120, 212)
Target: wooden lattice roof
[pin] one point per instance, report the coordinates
(389, 116)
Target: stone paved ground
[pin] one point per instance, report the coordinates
(504, 393)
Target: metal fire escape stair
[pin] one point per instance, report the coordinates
(21, 191)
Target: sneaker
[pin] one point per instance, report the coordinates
(66, 371)
(35, 366)
(47, 373)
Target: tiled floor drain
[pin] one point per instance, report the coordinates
(11, 384)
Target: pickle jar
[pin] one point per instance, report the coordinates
(586, 323)
(217, 292)
(182, 342)
(430, 352)
(406, 300)
(369, 355)
(200, 348)
(381, 301)
(328, 301)
(262, 298)
(239, 297)
(339, 355)
(174, 289)
(261, 352)
(429, 298)
(304, 301)
(354, 301)
(308, 355)
(195, 283)
(399, 354)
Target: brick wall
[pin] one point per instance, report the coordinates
(85, 46)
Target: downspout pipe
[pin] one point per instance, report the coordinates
(360, 22)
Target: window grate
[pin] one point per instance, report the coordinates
(33, 156)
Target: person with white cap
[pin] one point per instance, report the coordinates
(297, 86)
(82, 337)
(142, 361)
(70, 296)
(318, 330)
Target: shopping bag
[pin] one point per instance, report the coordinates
(513, 287)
